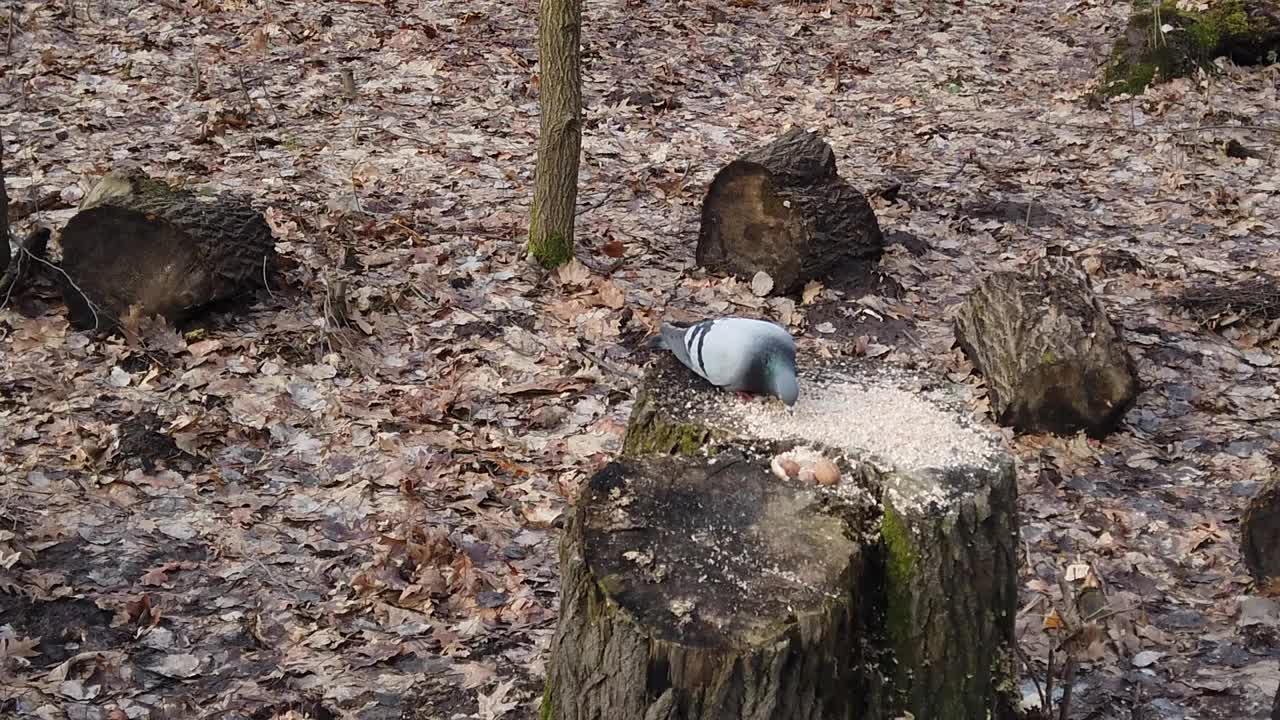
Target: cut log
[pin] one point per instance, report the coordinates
(1260, 536)
(782, 209)
(702, 586)
(1052, 359)
(138, 245)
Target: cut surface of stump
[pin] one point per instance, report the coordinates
(929, 580)
(1260, 536)
(1051, 357)
(139, 245)
(782, 209)
(706, 590)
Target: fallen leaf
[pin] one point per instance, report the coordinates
(495, 705)
(614, 249)
(1146, 658)
(812, 290)
(476, 674)
(179, 665)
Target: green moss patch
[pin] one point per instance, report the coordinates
(1164, 41)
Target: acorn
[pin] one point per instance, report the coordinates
(785, 468)
(825, 472)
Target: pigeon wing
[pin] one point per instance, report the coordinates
(683, 341)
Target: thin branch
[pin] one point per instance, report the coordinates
(1068, 682)
(1257, 128)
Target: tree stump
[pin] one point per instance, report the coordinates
(782, 209)
(699, 585)
(1051, 357)
(4, 220)
(138, 245)
(1190, 38)
(698, 590)
(1260, 536)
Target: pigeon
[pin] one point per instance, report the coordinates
(753, 356)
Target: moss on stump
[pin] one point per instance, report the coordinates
(1163, 41)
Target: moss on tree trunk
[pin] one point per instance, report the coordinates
(555, 193)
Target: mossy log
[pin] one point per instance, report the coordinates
(782, 209)
(139, 245)
(699, 585)
(1260, 535)
(1165, 40)
(1051, 357)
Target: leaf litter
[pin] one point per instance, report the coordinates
(344, 502)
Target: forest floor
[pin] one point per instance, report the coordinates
(297, 511)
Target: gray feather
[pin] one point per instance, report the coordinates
(737, 354)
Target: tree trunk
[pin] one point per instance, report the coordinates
(555, 193)
(138, 245)
(4, 221)
(783, 210)
(1275, 706)
(1260, 535)
(1051, 357)
(674, 604)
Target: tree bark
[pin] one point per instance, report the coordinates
(1051, 357)
(4, 220)
(1260, 535)
(138, 245)
(555, 193)
(782, 209)
(1275, 706)
(928, 584)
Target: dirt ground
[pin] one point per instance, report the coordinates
(292, 511)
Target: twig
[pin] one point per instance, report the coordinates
(244, 87)
(1048, 686)
(1044, 703)
(8, 41)
(1068, 681)
(265, 283)
(88, 303)
(33, 247)
(1198, 128)
(604, 199)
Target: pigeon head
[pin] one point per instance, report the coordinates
(781, 372)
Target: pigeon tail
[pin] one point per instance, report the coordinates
(672, 337)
